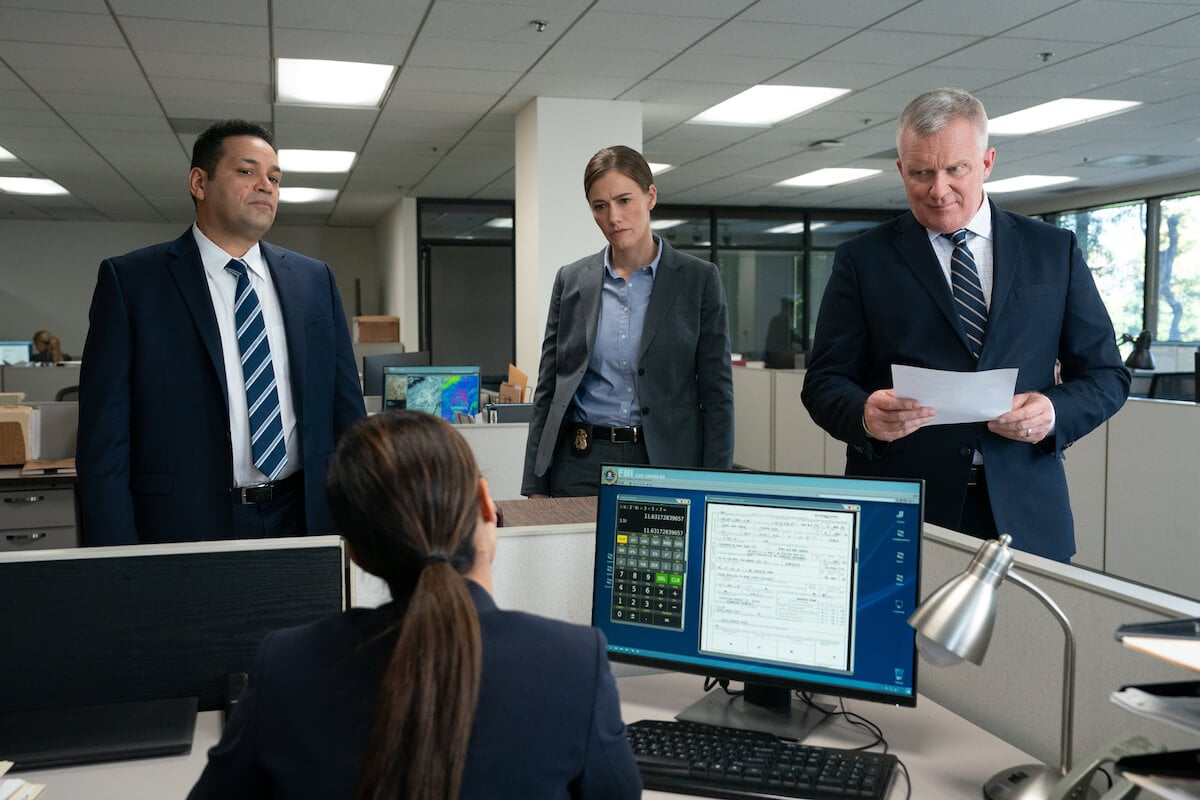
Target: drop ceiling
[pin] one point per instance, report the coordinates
(106, 96)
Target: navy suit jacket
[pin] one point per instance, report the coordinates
(888, 302)
(154, 454)
(684, 378)
(548, 723)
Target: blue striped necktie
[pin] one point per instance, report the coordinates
(262, 398)
(968, 291)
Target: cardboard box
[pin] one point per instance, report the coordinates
(376, 329)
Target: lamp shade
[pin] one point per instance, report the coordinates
(1141, 357)
(955, 622)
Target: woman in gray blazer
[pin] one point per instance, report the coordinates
(438, 694)
(635, 362)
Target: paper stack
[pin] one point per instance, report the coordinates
(15, 788)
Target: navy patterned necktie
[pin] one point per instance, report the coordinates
(968, 291)
(262, 396)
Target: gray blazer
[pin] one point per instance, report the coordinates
(684, 379)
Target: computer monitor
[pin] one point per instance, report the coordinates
(15, 352)
(443, 391)
(1174, 386)
(143, 626)
(783, 582)
(373, 367)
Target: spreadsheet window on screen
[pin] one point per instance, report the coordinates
(785, 579)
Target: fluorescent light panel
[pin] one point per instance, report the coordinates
(1022, 183)
(316, 160)
(831, 176)
(665, 224)
(1061, 113)
(310, 81)
(767, 104)
(499, 222)
(6, 156)
(303, 194)
(31, 186)
(659, 169)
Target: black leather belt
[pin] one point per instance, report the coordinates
(976, 477)
(603, 433)
(265, 492)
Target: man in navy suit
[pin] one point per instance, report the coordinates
(168, 444)
(890, 301)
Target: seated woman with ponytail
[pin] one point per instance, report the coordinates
(438, 694)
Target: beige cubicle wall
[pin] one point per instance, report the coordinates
(37, 382)
(1132, 480)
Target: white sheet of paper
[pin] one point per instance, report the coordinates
(957, 396)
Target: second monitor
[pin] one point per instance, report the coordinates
(444, 391)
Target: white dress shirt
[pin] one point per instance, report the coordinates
(222, 286)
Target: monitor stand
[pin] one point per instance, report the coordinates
(767, 709)
(58, 737)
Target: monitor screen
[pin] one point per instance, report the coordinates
(784, 582)
(373, 366)
(139, 624)
(438, 390)
(15, 352)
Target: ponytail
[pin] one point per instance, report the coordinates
(427, 698)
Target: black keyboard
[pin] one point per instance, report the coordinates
(692, 758)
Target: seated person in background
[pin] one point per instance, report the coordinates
(438, 694)
(47, 350)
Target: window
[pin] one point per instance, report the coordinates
(1178, 270)
(1113, 240)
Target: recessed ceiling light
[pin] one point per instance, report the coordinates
(1023, 182)
(6, 156)
(659, 169)
(1061, 113)
(303, 194)
(499, 222)
(332, 83)
(316, 160)
(665, 224)
(32, 186)
(767, 104)
(791, 227)
(831, 176)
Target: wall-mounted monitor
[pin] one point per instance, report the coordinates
(443, 391)
(783, 582)
(373, 367)
(15, 352)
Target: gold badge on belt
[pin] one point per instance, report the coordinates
(582, 442)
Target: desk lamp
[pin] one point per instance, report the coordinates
(955, 624)
(1140, 357)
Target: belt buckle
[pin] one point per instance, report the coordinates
(630, 431)
(242, 493)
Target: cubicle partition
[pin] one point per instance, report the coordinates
(1132, 480)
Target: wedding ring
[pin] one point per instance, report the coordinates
(1028, 432)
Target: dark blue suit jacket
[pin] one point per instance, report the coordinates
(888, 302)
(548, 724)
(684, 377)
(154, 454)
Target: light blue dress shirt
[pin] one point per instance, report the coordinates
(607, 395)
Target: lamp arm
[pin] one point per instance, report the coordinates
(1068, 702)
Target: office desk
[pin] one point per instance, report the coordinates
(946, 756)
(36, 511)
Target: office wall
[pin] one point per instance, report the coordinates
(49, 268)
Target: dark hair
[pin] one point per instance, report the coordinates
(210, 145)
(403, 488)
(625, 160)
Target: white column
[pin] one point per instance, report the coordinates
(555, 138)
(400, 259)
